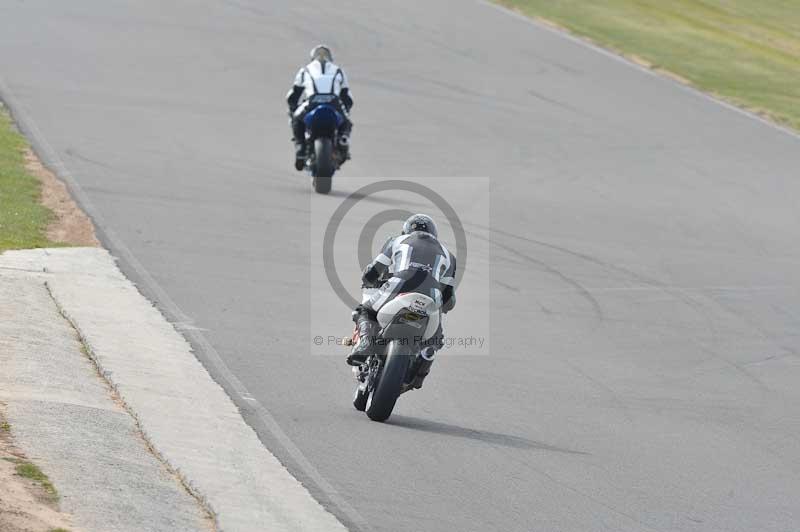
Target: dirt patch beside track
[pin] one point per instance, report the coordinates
(26, 505)
(70, 224)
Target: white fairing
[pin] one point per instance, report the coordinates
(412, 301)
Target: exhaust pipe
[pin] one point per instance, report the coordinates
(428, 353)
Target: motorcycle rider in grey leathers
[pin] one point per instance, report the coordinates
(417, 262)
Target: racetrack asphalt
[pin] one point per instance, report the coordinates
(644, 265)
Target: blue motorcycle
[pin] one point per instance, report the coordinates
(326, 148)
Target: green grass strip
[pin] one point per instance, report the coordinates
(31, 471)
(745, 51)
(23, 219)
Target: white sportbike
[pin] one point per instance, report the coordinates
(406, 322)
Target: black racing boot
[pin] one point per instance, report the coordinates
(367, 330)
(299, 138)
(299, 155)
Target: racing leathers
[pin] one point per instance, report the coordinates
(414, 262)
(318, 77)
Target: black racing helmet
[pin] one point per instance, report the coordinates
(420, 222)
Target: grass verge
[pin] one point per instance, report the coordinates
(744, 51)
(32, 472)
(23, 219)
(22, 467)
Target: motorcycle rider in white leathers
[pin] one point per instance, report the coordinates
(320, 76)
(417, 262)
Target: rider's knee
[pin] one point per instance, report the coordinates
(364, 311)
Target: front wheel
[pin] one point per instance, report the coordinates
(323, 165)
(383, 397)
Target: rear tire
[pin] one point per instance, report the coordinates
(382, 399)
(323, 166)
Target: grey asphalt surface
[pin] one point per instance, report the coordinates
(645, 285)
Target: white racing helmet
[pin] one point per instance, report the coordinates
(321, 53)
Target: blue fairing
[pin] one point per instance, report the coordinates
(323, 121)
